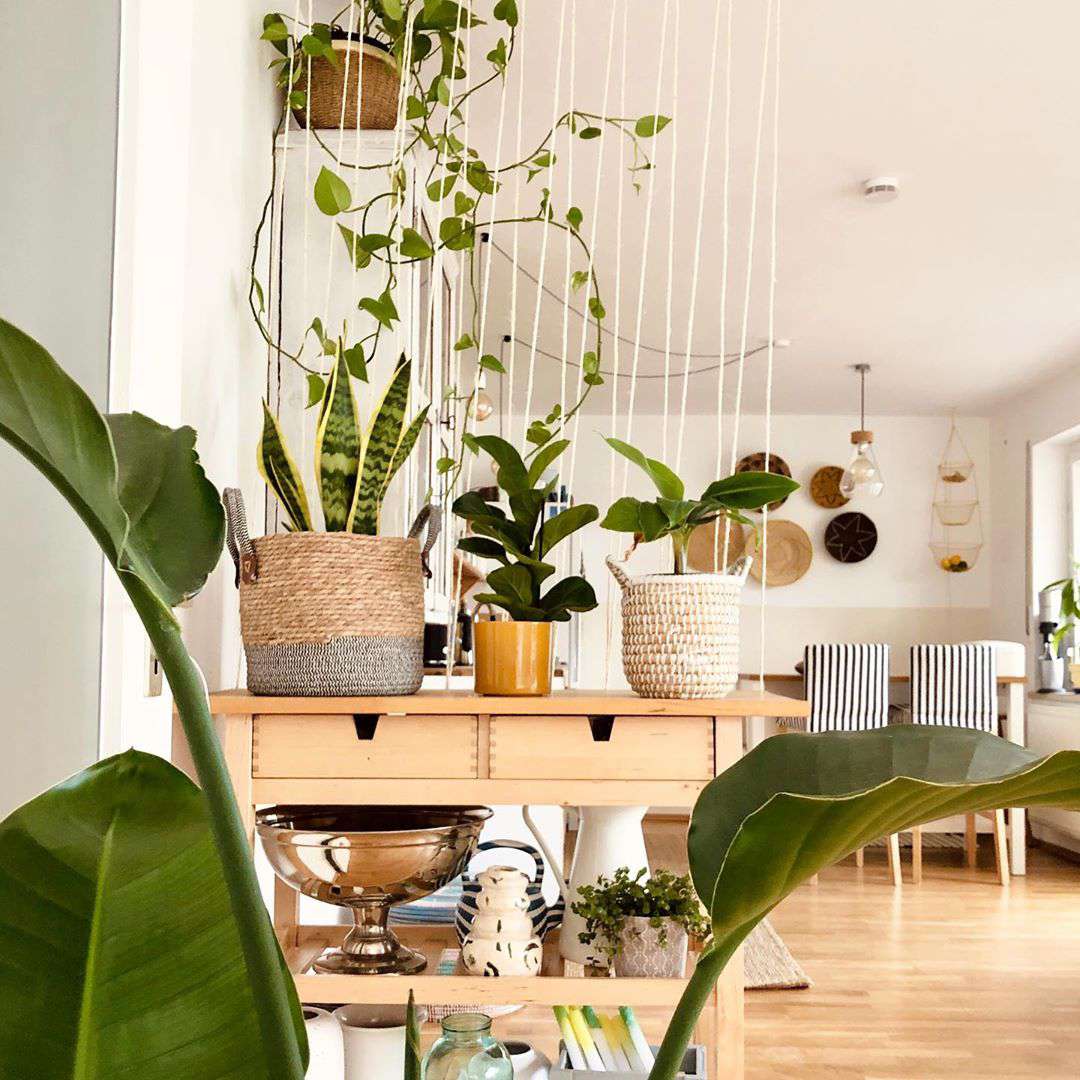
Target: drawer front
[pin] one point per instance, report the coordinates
(365, 746)
(602, 747)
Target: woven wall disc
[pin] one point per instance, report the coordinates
(705, 552)
(756, 463)
(850, 537)
(825, 487)
(790, 553)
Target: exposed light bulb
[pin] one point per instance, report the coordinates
(482, 406)
(862, 476)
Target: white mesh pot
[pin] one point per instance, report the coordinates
(681, 631)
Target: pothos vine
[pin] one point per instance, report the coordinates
(426, 41)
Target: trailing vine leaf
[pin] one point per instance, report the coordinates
(354, 359)
(315, 387)
(337, 450)
(507, 12)
(414, 246)
(332, 194)
(278, 469)
(358, 253)
(574, 217)
(492, 363)
(798, 803)
(380, 446)
(648, 126)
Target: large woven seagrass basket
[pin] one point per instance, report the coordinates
(331, 614)
(372, 78)
(680, 632)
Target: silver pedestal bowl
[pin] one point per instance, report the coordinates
(367, 858)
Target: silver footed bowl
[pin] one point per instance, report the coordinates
(367, 858)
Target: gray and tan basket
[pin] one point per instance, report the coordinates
(331, 614)
(680, 632)
(372, 75)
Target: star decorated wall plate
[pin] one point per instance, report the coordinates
(851, 537)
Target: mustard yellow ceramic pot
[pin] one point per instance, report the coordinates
(514, 658)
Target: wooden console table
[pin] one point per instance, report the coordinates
(573, 748)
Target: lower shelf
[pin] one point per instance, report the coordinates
(560, 983)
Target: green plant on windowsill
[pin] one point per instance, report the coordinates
(135, 940)
(664, 898)
(1070, 613)
(353, 469)
(522, 541)
(673, 515)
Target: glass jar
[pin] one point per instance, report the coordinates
(467, 1051)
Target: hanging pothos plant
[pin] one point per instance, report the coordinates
(428, 41)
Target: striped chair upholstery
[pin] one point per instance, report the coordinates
(847, 686)
(954, 685)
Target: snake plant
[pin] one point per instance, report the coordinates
(135, 941)
(353, 470)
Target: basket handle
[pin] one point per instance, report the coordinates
(239, 542)
(431, 516)
(740, 568)
(620, 575)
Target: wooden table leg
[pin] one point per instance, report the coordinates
(1014, 732)
(286, 913)
(729, 1058)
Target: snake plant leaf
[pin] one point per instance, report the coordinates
(118, 955)
(337, 449)
(405, 447)
(380, 446)
(130, 479)
(808, 800)
(281, 474)
(412, 1041)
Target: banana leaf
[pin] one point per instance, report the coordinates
(118, 956)
(798, 803)
(337, 449)
(278, 469)
(380, 446)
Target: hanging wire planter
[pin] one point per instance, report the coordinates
(955, 552)
(955, 514)
(956, 558)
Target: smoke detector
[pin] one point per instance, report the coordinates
(881, 189)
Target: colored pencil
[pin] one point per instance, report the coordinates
(585, 1039)
(641, 1044)
(597, 1032)
(573, 1051)
(622, 1062)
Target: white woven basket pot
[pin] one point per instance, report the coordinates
(331, 614)
(680, 632)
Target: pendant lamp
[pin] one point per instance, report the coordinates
(862, 476)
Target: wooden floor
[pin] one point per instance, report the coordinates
(957, 979)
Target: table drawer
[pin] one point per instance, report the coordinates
(365, 746)
(602, 747)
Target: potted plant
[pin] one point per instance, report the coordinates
(642, 928)
(681, 630)
(1058, 613)
(515, 656)
(338, 611)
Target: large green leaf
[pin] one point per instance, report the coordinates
(380, 448)
(337, 449)
(512, 477)
(118, 956)
(667, 483)
(798, 803)
(749, 490)
(130, 479)
(564, 524)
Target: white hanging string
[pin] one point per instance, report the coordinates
(609, 605)
(568, 246)
(511, 365)
(773, 249)
(563, 31)
(649, 200)
(751, 235)
(306, 435)
(673, 187)
(714, 53)
(724, 266)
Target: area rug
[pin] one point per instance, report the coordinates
(930, 841)
(768, 963)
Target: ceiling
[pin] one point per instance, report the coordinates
(960, 293)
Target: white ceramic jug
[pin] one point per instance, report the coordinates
(374, 1041)
(326, 1050)
(501, 940)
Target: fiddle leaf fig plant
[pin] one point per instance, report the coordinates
(797, 803)
(675, 516)
(140, 490)
(521, 542)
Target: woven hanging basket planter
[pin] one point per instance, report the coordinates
(372, 75)
(681, 631)
(331, 614)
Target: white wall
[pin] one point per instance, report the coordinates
(58, 130)
(898, 595)
(196, 123)
(1044, 412)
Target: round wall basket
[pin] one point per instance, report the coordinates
(825, 487)
(756, 463)
(705, 552)
(850, 537)
(790, 553)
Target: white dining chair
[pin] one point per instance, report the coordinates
(847, 686)
(956, 686)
